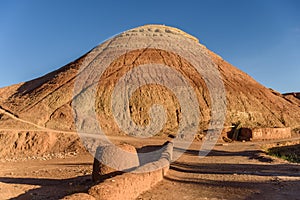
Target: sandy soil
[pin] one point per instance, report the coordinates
(230, 171)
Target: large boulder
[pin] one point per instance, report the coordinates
(111, 160)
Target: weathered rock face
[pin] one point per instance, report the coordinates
(47, 101)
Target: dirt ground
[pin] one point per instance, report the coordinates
(45, 179)
(230, 171)
(236, 171)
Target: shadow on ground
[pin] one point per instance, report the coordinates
(251, 154)
(261, 169)
(238, 169)
(50, 188)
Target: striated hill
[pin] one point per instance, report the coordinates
(47, 101)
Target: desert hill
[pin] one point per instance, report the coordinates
(47, 101)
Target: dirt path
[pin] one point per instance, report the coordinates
(11, 115)
(234, 171)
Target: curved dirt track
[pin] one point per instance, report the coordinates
(236, 171)
(233, 171)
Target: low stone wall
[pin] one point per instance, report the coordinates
(130, 185)
(265, 133)
(127, 186)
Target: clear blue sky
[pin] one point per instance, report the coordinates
(261, 37)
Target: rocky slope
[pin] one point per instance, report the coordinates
(47, 101)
